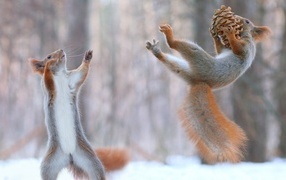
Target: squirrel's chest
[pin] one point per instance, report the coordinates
(64, 115)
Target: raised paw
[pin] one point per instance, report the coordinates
(213, 34)
(166, 29)
(153, 45)
(228, 30)
(88, 56)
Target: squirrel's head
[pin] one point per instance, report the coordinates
(259, 33)
(56, 61)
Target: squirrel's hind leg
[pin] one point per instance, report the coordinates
(176, 65)
(89, 163)
(53, 163)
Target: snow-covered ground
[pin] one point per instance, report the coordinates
(176, 168)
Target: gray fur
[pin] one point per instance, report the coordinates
(217, 71)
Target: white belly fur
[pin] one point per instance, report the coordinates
(64, 115)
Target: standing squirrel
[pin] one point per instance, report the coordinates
(67, 144)
(215, 136)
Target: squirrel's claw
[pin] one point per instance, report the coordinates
(165, 27)
(228, 30)
(150, 45)
(88, 55)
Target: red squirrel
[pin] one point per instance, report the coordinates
(67, 144)
(216, 137)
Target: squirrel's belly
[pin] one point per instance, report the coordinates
(220, 83)
(216, 80)
(65, 122)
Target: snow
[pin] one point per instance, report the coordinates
(175, 168)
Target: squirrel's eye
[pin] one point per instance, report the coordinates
(246, 21)
(49, 57)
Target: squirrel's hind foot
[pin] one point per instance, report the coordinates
(152, 45)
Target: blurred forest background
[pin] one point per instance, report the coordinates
(130, 99)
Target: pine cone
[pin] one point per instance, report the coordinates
(223, 17)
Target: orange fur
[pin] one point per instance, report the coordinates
(167, 30)
(216, 137)
(37, 66)
(113, 158)
(260, 33)
(49, 81)
(237, 45)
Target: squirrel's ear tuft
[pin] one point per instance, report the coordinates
(37, 65)
(260, 33)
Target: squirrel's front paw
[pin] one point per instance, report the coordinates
(88, 56)
(166, 29)
(228, 30)
(213, 34)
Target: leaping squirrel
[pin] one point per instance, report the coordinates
(215, 136)
(67, 144)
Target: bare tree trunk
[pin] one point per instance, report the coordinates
(280, 94)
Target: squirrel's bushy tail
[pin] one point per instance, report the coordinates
(215, 136)
(112, 158)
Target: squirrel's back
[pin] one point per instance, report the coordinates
(216, 137)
